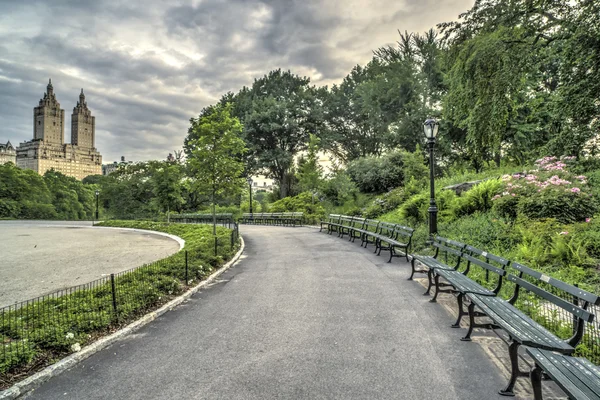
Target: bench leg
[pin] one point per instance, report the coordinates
(391, 253)
(430, 282)
(513, 352)
(437, 289)
(536, 382)
(471, 309)
(377, 247)
(412, 272)
(461, 311)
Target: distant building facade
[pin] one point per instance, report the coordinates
(48, 149)
(7, 153)
(108, 168)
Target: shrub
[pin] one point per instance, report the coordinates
(478, 198)
(305, 202)
(566, 207)
(31, 210)
(386, 203)
(377, 174)
(339, 188)
(414, 210)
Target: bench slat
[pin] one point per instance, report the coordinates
(518, 325)
(463, 283)
(578, 377)
(573, 290)
(565, 305)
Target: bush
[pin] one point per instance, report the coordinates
(30, 210)
(304, 202)
(339, 188)
(377, 174)
(386, 203)
(9, 208)
(566, 207)
(478, 198)
(414, 210)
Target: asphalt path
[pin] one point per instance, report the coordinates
(303, 316)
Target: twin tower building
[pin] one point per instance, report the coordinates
(48, 149)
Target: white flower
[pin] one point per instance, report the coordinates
(70, 335)
(76, 347)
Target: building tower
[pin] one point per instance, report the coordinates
(83, 125)
(49, 119)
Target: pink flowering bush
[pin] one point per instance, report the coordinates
(548, 191)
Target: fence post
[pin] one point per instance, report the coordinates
(232, 232)
(576, 320)
(186, 268)
(114, 296)
(216, 243)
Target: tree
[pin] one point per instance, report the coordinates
(216, 150)
(166, 180)
(309, 171)
(278, 112)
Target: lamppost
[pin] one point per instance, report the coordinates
(431, 130)
(250, 186)
(97, 194)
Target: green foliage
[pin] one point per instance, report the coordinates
(478, 198)
(310, 173)
(386, 203)
(339, 188)
(215, 150)
(377, 174)
(305, 202)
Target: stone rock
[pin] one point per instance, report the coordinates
(461, 187)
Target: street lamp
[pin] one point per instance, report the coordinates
(250, 185)
(97, 194)
(431, 127)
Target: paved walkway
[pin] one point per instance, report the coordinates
(303, 316)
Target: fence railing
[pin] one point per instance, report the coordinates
(225, 220)
(50, 326)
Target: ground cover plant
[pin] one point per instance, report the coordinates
(36, 333)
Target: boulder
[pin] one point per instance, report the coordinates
(461, 187)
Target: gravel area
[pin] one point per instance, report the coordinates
(40, 258)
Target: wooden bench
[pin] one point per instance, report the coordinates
(482, 275)
(449, 247)
(369, 228)
(576, 376)
(224, 219)
(385, 230)
(331, 220)
(282, 218)
(523, 330)
(400, 238)
(356, 228)
(344, 225)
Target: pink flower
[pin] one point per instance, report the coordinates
(496, 197)
(513, 194)
(575, 190)
(564, 233)
(588, 220)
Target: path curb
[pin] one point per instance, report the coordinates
(34, 381)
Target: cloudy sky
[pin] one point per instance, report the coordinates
(148, 66)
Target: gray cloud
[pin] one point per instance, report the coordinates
(147, 67)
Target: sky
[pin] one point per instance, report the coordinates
(147, 67)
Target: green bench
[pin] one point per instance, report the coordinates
(332, 220)
(521, 329)
(491, 268)
(394, 237)
(450, 248)
(576, 376)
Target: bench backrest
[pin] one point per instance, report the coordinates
(485, 264)
(334, 218)
(553, 292)
(387, 229)
(450, 248)
(346, 220)
(371, 225)
(358, 222)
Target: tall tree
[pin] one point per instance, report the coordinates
(216, 149)
(278, 112)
